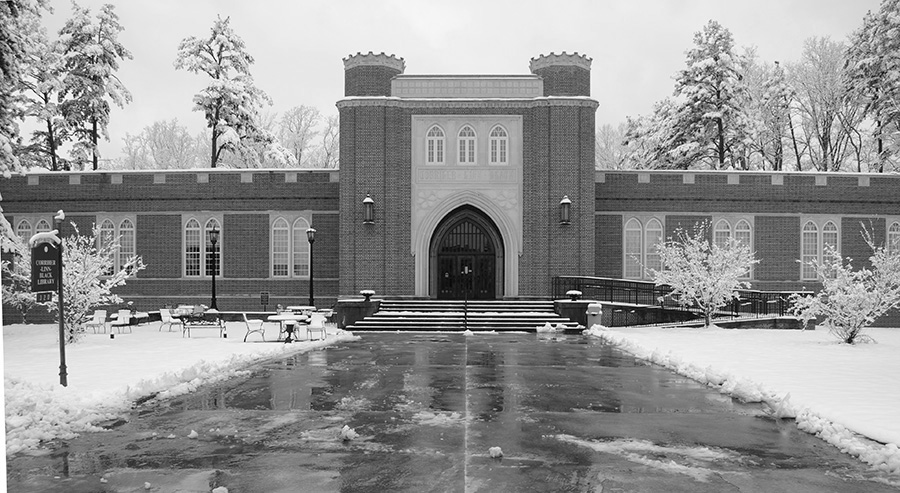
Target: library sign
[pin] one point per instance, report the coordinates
(44, 267)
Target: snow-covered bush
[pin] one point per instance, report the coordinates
(850, 300)
(17, 288)
(89, 277)
(701, 273)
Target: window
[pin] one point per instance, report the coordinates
(498, 145)
(23, 230)
(893, 239)
(814, 241)
(466, 140)
(640, 248)
(290, 248)
(126, 242)
(300, 248)
(742, 234)
(192, 248)
(213, 257)
(42, 226)
(653, 235)
(105, 239)
(632, 249)
(435, 145)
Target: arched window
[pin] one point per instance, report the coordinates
(281, 244)
(466, 140)
(653, 235)
(300, 249)
(213, 258)
(632, 249)
(829, 236)
(893, 238)
(809, 250)
(721, 233)
(42, 226)
(126, 242)
(434, 145)
(23, 230)
(743, 234)
(498, 145)
(105, 239)
(192, 248)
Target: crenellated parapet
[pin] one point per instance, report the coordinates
(370, 74)
(564, 74)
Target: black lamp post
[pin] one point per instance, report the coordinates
(214, 239)
(311, 237)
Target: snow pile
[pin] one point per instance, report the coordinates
(107, 375)
(847, 395)
(348, 433)
(495, 452)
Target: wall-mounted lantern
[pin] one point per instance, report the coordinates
(368, 210)
(565, 209)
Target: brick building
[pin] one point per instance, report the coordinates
(440, 174)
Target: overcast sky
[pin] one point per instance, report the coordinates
(637, 46)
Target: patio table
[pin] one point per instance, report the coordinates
(287, 321)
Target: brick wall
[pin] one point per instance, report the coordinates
(245, 246)
(853, 242)
(565, 80)
(369, 80)
(608, 245)
(777, 246)
(158, 240)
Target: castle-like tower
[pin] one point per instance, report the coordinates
(370, 74)
(564, 74)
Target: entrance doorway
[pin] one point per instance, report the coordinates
(466, 256)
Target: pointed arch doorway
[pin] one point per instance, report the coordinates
(466, 239)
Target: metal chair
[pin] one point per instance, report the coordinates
(167, 319)
(254, 326)
(122, 320)
(97, 320)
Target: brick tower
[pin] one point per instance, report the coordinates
(370, 74)
(563, 74)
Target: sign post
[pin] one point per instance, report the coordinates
(47, 276)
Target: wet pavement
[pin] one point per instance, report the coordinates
(568, 413)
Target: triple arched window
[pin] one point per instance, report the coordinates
(815, 238)
(290, 248)
(200, 256)
(639, 248)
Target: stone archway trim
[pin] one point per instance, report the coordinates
(512, 240)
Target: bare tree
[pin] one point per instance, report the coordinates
(609, 150)
(296, 131)
(331, 142)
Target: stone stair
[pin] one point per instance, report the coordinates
(440, 315)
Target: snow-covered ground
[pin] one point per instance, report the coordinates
(847, 395)
(106, 375)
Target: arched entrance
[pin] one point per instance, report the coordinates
(466, 240)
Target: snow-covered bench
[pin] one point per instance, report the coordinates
(202, 323)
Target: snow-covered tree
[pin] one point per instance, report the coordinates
(296, 129)
(89, 278)
(703, 274)
(851, 300)
(91, 54)
(609, 150)
(231, 101)
(16, 287)
(648, 139)
(710, 124)
(826, 114)
(873, 76)
(42, 85)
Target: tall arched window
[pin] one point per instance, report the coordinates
(809, 250)
(126, 242)
(192, 248)
(42, 226)
(105, 240)
(653, 235)
(281, 244)
(300, 249)
(213, 258)
(893, 238)
(498, 145)
(632, 249)
(743, 233)
(466, 139)
(829, 235)
(721, 233)
(434, 145)
(23, 230)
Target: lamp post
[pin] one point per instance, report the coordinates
(214, 239)
(311, 237)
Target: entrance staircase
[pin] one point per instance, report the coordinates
(441, 315)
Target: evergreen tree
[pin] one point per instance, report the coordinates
(873, 75)
(231, 101)
(710, 124)
(91, 55)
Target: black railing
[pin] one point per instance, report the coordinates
(749, 302)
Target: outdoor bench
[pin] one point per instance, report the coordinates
(202, 324)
